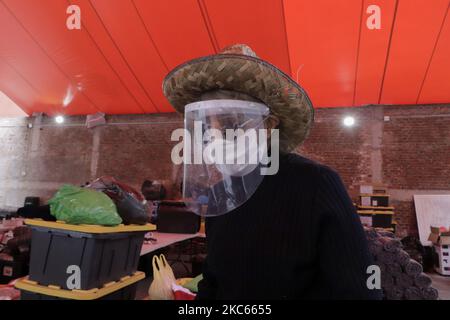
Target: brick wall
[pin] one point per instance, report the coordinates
(410, 153)
(348, 150)
(36, 161)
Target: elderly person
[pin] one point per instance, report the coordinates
(289, 235)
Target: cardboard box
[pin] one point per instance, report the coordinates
(365, 189)
(442, 259)
(374, 200)
(365, 201)
(441, 243)
(372, 189)
(379, 190)
(366, 219)
(439, 237)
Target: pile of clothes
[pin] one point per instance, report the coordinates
(15, 243)
(402, 278)
(9, 292)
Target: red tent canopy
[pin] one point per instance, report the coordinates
(345, 53)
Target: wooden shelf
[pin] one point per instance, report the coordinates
(375, 208)
(374, 212)
(387, 229)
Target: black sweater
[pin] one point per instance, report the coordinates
(298, 237)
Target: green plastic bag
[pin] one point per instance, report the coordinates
(77, 205)
(193, 284)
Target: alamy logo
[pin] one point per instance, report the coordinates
(73, 22)
(374, 279)
(237, 147)
(74, 280)
(374, 20)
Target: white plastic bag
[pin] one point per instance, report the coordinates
(163, 280)
(167, 269)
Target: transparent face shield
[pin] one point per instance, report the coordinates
(227, 140)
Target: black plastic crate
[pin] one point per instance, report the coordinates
(174, 217)
(125, 289)
(380, 200)
(102, 257)
(382, 220)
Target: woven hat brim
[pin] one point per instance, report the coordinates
(253, 76)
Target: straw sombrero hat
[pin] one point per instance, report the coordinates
(237, 68)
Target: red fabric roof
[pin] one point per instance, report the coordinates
(116, 62)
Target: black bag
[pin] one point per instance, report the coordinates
(129, 202)
(32, 201)
(130, 210)
(174, 217)
(41, 212)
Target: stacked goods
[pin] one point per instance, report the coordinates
(14, 253)
(402, 278)
(371, 196)
(374, 209)
(440, 237)
(83, 262)
(8, 292)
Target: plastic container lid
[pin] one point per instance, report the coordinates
(92, 294)
(88, 228)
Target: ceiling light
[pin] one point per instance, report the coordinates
(349, 121)
(59, 119)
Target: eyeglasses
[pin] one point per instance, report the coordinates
(223, 129)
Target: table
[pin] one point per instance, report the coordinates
(167, 239)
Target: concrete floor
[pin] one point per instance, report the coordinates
(442, 284)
